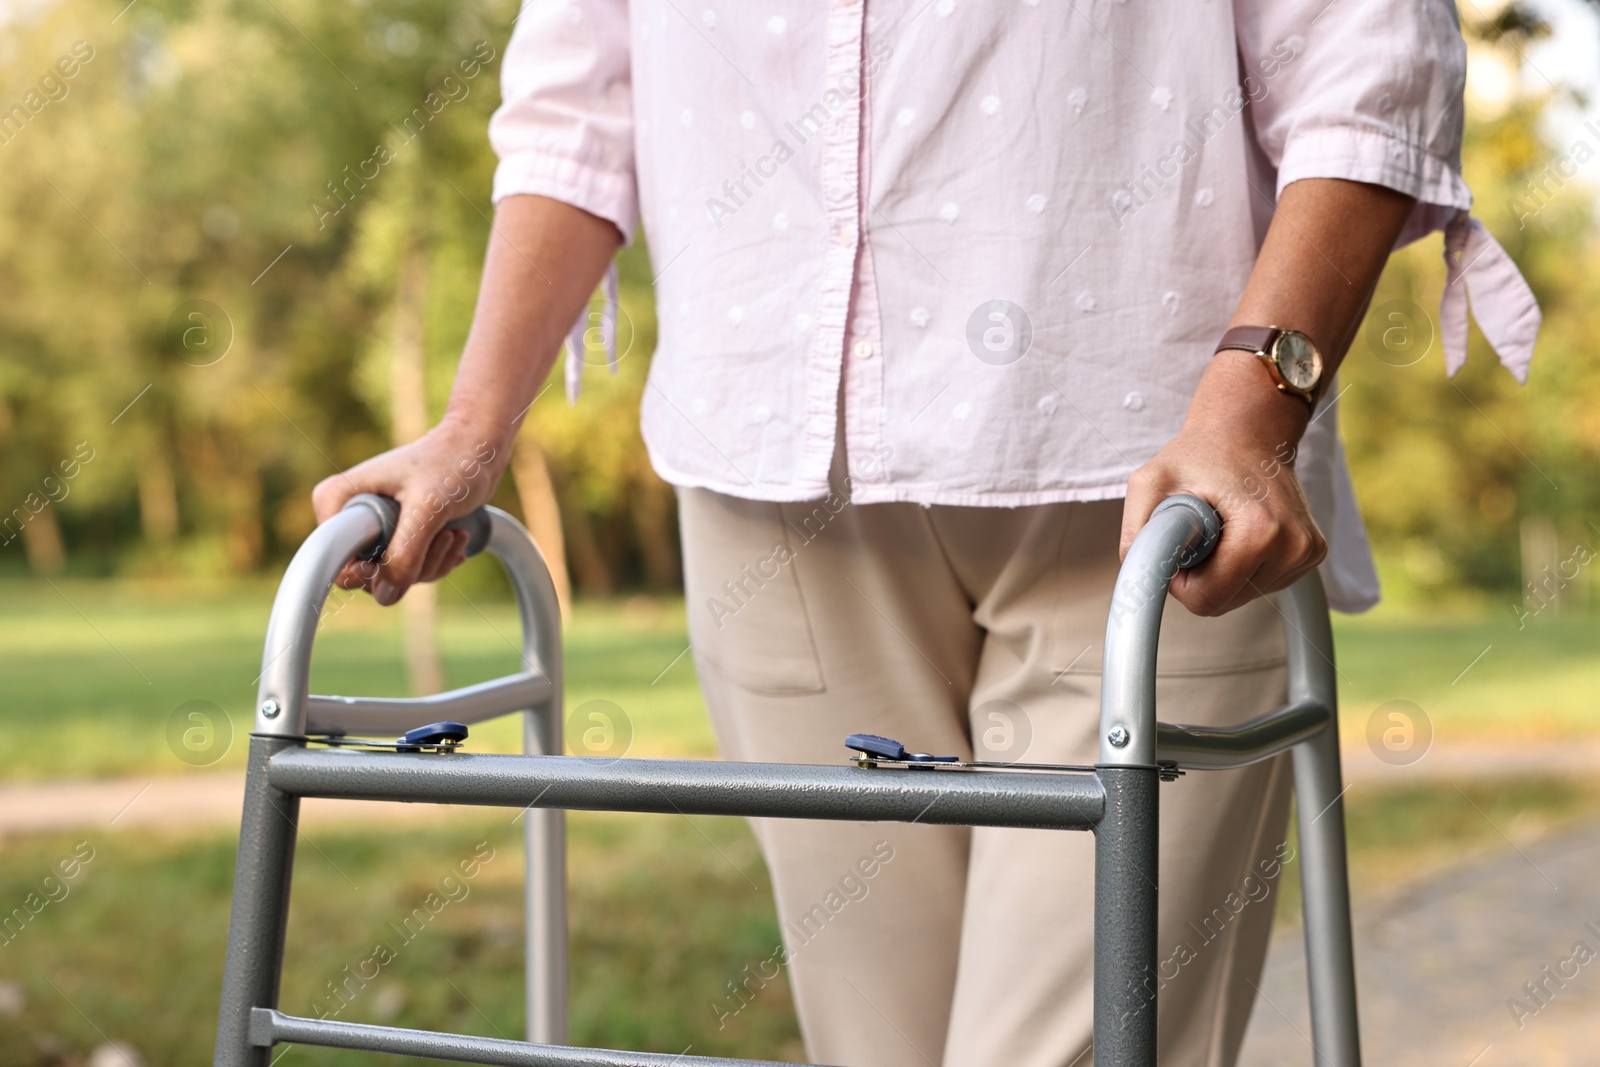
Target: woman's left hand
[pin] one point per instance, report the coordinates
(1235, 451)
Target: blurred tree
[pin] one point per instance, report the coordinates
(241, 252)
(240, 247)
(1447, 469)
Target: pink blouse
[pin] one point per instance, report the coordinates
(999, 239)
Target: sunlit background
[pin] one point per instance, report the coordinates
(200, 318)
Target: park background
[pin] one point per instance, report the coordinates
(194, 330)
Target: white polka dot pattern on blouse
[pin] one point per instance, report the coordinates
(1002, 156)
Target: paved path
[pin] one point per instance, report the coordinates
(1438, 961)
(1476, 761)
(212, 798)
(198, 800)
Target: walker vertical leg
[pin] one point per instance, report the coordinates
(1125, 899)
(1325, 885)
(544, 830)
(544, 835)
(1319, 806)
(1181, 532)
(260, 908)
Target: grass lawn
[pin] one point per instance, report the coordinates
(665, 910)
(1478, 677)
(94, 671)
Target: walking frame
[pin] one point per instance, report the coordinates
(1116, 800)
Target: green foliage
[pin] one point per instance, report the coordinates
(274, 158)
(1446, 469)
(279, 159)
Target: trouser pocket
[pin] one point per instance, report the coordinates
(747, 615)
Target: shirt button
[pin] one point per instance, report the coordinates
(844, 236)
(864, 350)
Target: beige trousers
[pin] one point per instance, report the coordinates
(960, 631)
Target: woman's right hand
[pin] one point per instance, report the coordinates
(447, 473)
(544, 260)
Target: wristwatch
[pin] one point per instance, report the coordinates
(1291, 357)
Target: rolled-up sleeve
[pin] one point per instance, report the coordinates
(1371, 91)
(565, 127)
(1367, 91)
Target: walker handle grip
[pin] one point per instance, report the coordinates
(1208, 527)
(387, 508)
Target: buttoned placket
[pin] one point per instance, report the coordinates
(865, 365)
(841, 198)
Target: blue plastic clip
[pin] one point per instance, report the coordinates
(887, 748)
(434, 734)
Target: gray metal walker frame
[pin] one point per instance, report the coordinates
(1117, 801)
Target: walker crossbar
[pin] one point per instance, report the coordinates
(696, 787)
(1118, 801)
(1216, 748)
(268, 1027)
(469, 704)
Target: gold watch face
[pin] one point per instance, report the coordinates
(1298, 360)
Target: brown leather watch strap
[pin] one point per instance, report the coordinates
(1249, 338)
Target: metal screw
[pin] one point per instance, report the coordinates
(1118, 736)
(270, 708)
